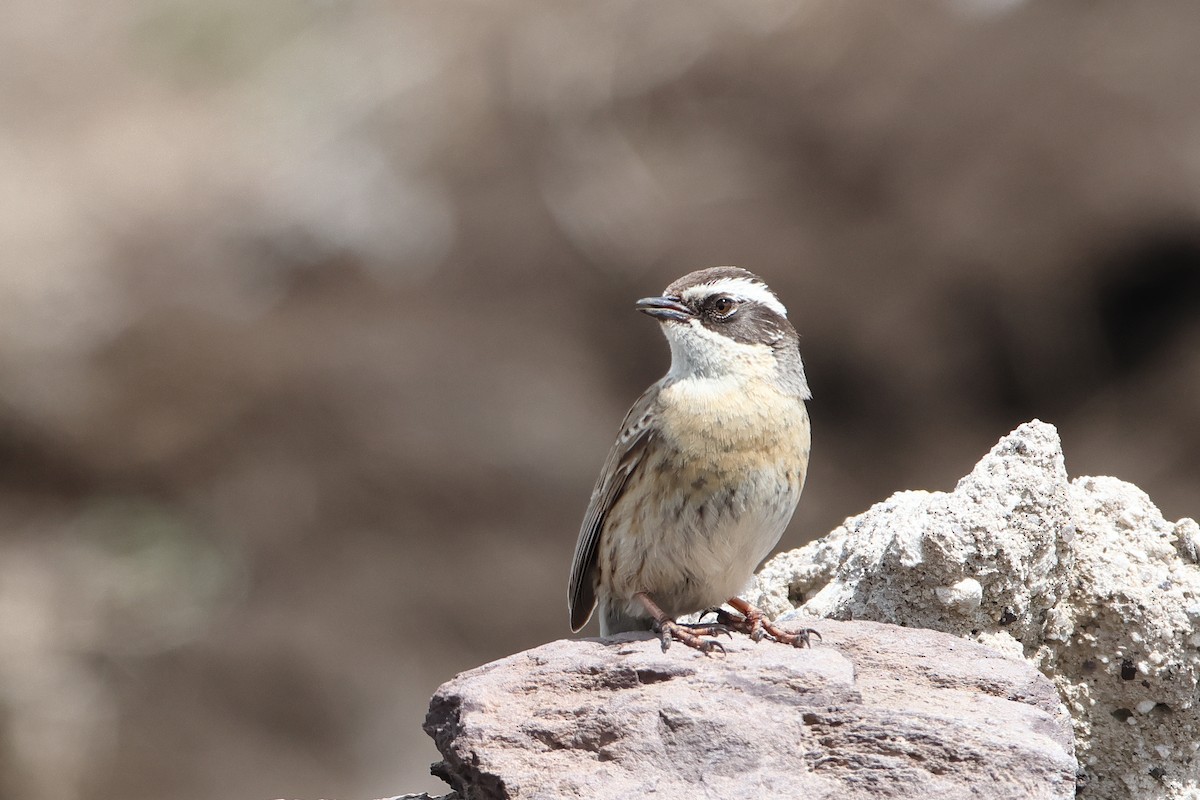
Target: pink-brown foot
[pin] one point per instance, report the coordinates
(670, 629)
(754, 623)
(693, 636)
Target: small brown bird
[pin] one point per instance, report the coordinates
(706, 471)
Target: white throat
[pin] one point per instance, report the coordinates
(702, 356)
(697, 352)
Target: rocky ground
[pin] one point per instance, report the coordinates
(1079, 600)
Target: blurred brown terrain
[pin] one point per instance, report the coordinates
(316, 322)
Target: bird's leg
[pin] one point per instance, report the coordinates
(691, 635)
(755, 624)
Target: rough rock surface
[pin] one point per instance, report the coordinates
(873, 711)
(1083, 578)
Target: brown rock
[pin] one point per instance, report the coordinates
(872, 711)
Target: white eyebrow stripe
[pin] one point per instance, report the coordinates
(741, 288)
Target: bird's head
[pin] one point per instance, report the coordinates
(725, 322)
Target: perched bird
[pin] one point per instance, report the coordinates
(706, 471)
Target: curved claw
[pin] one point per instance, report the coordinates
(664, 635)
(800, 638)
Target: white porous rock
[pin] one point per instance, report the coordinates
(1084, 578)
(966, 595)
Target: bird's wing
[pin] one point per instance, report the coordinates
(623, 460)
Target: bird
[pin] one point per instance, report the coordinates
(705, 473)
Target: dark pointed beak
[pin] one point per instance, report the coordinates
(664, 308)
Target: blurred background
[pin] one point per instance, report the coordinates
(316, 323)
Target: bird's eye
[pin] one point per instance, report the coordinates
(724, 306)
